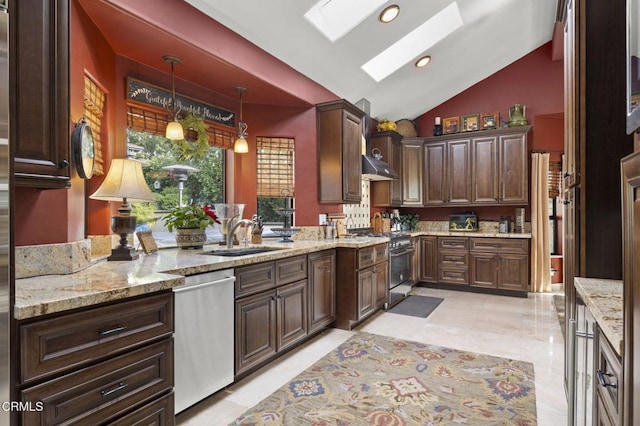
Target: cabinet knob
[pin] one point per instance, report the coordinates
(565, 202)
(603, 381)
(64, 164)
(566, 174)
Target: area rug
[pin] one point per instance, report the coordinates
(416, 306)
(558, 301)
(377, 380)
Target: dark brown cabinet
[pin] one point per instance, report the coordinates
(99, 365)
(428, 253)
(339, 152)
(363, 280)
(453, 260)
(388, 193)
(39, 93)
(608, 384)
(273, 316)
(500, 169)
(447, 173)
(412, 172)
(322, 289)
(499, 263)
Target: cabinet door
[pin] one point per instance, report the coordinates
(412, 174)
(322, 281)
(458, 169)
(429, 258)
(435, 190)
(513, 271)
(255, 330)
(381, 271)
(351, 157)
(485, 170)
(366, 292)
(396, 163)
(484, 270)
(388, 193)
(39, 86)
(292, 321)
(514, 186)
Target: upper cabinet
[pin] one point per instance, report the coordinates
(339, 152)
(39, 85)
(447, 172)
(412, 172)
(388, 193)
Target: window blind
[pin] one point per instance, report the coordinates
(275, 168)
(94, 99)
(555, 178)
(150, 121)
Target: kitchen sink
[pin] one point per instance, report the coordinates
(241, 251)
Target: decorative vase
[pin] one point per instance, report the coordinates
(190, 238)
(517, 115)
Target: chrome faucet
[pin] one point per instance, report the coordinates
(231, 229)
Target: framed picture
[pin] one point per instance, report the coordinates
(451, 125)
(490, 120)
(147, 241)
(470, 122)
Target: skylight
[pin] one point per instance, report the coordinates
(415, 43)
(335, 18)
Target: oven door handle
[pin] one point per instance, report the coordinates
(401, 253)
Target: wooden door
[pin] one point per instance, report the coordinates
(514, 172)
(484, 163)
(458, 171)
(412, 174)
(366, 291)
(382, 283)
(322, 272)
(428, 258)
(351, 157)
(256, 338)
(484, 270)
(291, 318)
(513, 271)
(435, 156)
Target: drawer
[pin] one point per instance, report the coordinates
(366, 257)
(70, 341)
(255, 278)
(609, 378)
(453, 258)
(157, 413)
(500, 245)
(453, 275)
(453, 243)
(291, 269)
(381, 253)
(100, 393)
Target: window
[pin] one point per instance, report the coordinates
(275, 180)
(94, 100)
(555, 180)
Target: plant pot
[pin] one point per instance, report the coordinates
(190, 238)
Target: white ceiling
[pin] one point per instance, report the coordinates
(495, 34)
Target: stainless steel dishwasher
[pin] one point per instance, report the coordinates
(204, 336)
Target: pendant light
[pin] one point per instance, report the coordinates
(174, 130)
(241, 146)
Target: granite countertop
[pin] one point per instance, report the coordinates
(604, 298)
(104, 281)
(480, 234)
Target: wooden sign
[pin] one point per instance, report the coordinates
(153, 95)
(147, 241)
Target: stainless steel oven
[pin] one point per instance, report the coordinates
(400, 267)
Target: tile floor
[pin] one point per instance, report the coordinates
(519, 328)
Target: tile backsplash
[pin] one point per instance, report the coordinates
(359, 215)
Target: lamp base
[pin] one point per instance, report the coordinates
(123, 253)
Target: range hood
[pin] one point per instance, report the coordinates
(373, 168)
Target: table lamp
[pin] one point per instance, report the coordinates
(125, 182)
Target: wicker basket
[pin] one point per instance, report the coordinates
(406, 128)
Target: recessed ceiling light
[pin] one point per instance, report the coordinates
(423, 61)
(335, 18)
(415, 43)
(389, 13)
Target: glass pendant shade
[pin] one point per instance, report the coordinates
(174, 131)
(240, 146)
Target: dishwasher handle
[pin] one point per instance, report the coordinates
(185, 288)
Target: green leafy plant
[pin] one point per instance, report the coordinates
(409, 222)
(144, 212)
(199, 148)
(190, 217)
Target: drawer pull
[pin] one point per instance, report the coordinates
(603, 381)
(120, 386)
(113, 330)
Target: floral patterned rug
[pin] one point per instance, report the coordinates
(377, 380)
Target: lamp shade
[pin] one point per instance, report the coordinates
(241, 146)
(174, 131)
(124, 180)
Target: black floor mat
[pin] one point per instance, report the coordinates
(416, 306)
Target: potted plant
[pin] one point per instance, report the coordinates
(190, 223)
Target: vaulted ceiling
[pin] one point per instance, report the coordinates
(493, 34)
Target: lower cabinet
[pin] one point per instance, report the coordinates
(453, 260)
(608, 385)
(108, 364)
(322, 289)
(428, 259)
(500, 263)
(364, 283)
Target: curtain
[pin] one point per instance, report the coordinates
(540, 251)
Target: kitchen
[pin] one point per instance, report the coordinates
(102, 49)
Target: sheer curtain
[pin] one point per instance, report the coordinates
(540, 251)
